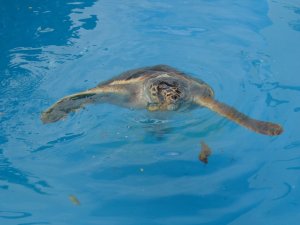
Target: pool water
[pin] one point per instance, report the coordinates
(108, 165)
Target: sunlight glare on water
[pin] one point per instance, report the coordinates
(110, 165)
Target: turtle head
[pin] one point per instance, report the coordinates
(166, 93)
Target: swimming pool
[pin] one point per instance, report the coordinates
(110, 165)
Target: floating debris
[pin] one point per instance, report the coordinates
(205, 152)
(1, 113)
(74, 200)
(141, 170)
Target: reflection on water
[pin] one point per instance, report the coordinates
(12, 175)
(271, 101)
(38, 36)
(295, 24)
(173, 204)
(36, 25)
(35, 36)
(267, 86)
(51, 144)
(13, 215)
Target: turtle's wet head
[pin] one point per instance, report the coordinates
(171, 98)
(167, 93)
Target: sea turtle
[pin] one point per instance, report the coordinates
(155, 88)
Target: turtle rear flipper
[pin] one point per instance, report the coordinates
(231, 113)
(72, 103)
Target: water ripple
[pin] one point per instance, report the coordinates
(14, 215)
(286, 193)
(64, 139)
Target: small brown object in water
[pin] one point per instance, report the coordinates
(205, 152)
(74, 200)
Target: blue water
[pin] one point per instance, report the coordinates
(127, 167)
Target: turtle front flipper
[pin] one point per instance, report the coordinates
(266, 128)
(72, 103)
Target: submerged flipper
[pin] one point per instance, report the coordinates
(266, 128)
(72, 103)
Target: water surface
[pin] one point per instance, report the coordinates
(126, 166)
